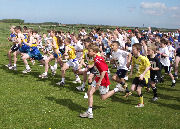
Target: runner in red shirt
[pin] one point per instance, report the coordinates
(101, 81)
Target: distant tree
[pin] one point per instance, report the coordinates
(20, 21)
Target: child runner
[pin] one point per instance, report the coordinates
(122, 60)
(164, 59)
(14, 48)
(101, 82)
(142, 66)
(154, 70)
(73, 62)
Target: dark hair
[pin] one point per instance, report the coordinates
(59, 41)
(18, 28)
(88, 39)
(138, 46)
(25, 28)
(116, 42)
(164, 41)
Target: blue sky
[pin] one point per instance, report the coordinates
(158, 13)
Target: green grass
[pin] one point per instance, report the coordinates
(29, 102)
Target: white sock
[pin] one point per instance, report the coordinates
(173, 81)
(45, 73)
(14, 65)
(77, 77)
(55, 65)
(90, 109)
(63, 79)
(116, 89)
(27, 67)
(83, 85)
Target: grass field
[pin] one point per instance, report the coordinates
(32, 103)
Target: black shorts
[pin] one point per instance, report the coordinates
(166, 68)
(138, 82)
(154, 78)
(121, 73)
(15, 47)
(92, 70)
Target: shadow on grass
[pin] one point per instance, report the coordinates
(167, 88)
(121, 99)
(168, 97)
(172, 106)
(71, 105)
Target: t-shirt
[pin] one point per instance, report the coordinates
(171, 51)
(78, 46)
(154, 63)
(164, 60)
(121, 58)
(140, 64)
(101, 66)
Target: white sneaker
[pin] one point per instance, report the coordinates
(26, 71)
(43, 75)
(60, 83)
(85, 96)
(126, 78)
(8, 65)
(139, 105)
(14, 68)
(86, 115)
(53, 70)
(77, 81)
(119, 86)
(80, 88)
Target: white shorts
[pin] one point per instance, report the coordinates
(73, 63)
(102, 89)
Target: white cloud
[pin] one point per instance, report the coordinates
(174, 8)
(156, 5)
(155, 8)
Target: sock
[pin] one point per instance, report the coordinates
(173, 81)
(141, 99)
(90, 109)
(89, 85)
(127, 90)
(116, 90)
(27, 67)
(45, 73)
(63, 79)
(83, 85)
(122, 83)
(77, 77)
(55, 65)
(154, 91)
(14, 65)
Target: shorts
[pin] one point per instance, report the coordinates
(73, 63)
(154, 78)
(57, 55)
(102, 89)
(15, 47)
(24, 49)
(166, 68)
(138, 82)
(35, 56)
(121, 73)
(92, 70)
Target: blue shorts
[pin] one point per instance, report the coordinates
(35, 54)
(24, 49)
(57, 55)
